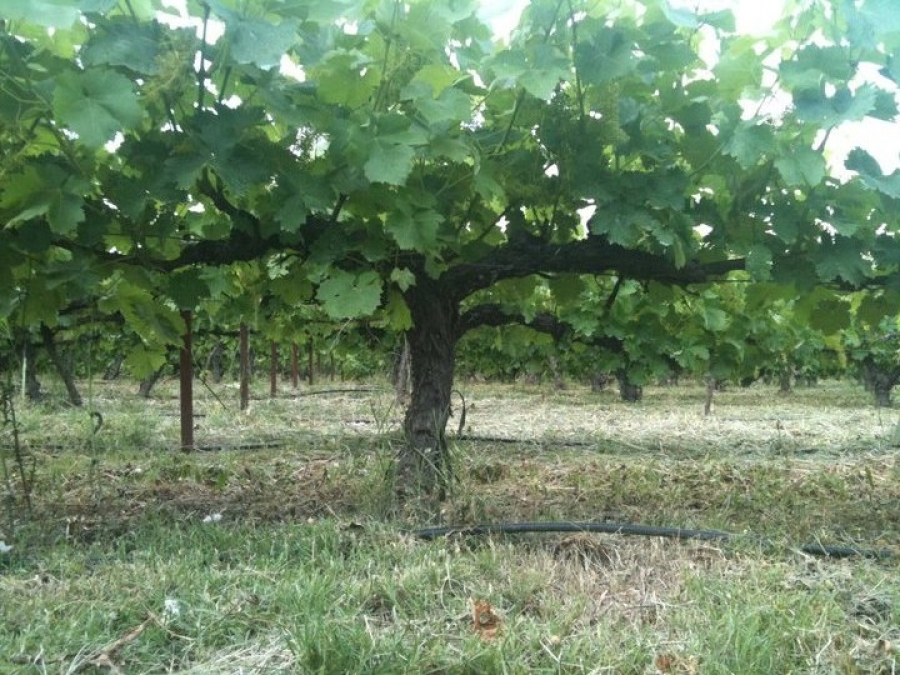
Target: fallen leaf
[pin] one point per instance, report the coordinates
(673, 663)
(485, 620)
(664, 663)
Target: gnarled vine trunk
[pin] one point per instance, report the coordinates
(628, 390)
(423, 465)
(32, 386)
(880, 380)
(65, 372)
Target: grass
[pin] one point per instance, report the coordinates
(290, 558)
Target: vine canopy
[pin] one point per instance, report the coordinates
(364, 148)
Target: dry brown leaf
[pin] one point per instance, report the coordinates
(664, 663)
(673, 663)
(485, 620)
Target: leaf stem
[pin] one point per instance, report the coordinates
(201, 75)
(131, 10)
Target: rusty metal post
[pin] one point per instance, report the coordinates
(245, 366)
(186, 377)
(295, 366)
(273, 371)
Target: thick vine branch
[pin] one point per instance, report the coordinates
(490, 314)
(528, 255)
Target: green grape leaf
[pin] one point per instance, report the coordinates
(260, 42)
(739, 68)
(34, 236)
(451, 106)
(436, 77)
(124, 43)
(871, 175)
(607, 55)
(874, 308)
(142, 361)
(841, 258)
(183, 169)
(220, 282)
(327, 11)
(102, 6)
(96, 104)
(681, 17)
(187, 288)
(388, 162)
(714, 319)
(346, 79)
(813, 105)
(885, 107)
(546, 68)
(679, 253)
(882, 16)
(624, 225)
(153, 321)
(66, 212)
(759, 262)
(456, 150)
(891, 69)
(48, 13)
(346, 295)
(417, 231)
(567, 288)
(802, 166)
(46, 191)
(722, 19)
(751, 143)
(811, 62)
(830, 316)
(403, 277)
(241, 169)
(395, 313)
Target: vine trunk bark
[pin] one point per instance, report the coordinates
(31, 386)
(65, 372)
(628, 390)
(423, 466)
(880, 380)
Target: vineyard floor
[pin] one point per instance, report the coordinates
(281, 549)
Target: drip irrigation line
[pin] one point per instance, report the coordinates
(326, 392)
(521, 441)
(638, 530)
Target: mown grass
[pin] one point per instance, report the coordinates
(138, 559)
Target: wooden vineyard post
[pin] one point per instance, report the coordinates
(273, 371)
(295, 366)
(402, 374)
(710, 392)
(186, 378)
(24, 368)
(245, 366)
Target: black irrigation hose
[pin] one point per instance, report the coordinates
(639, 530)
(520, 441)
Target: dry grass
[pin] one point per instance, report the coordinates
(822, 455)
